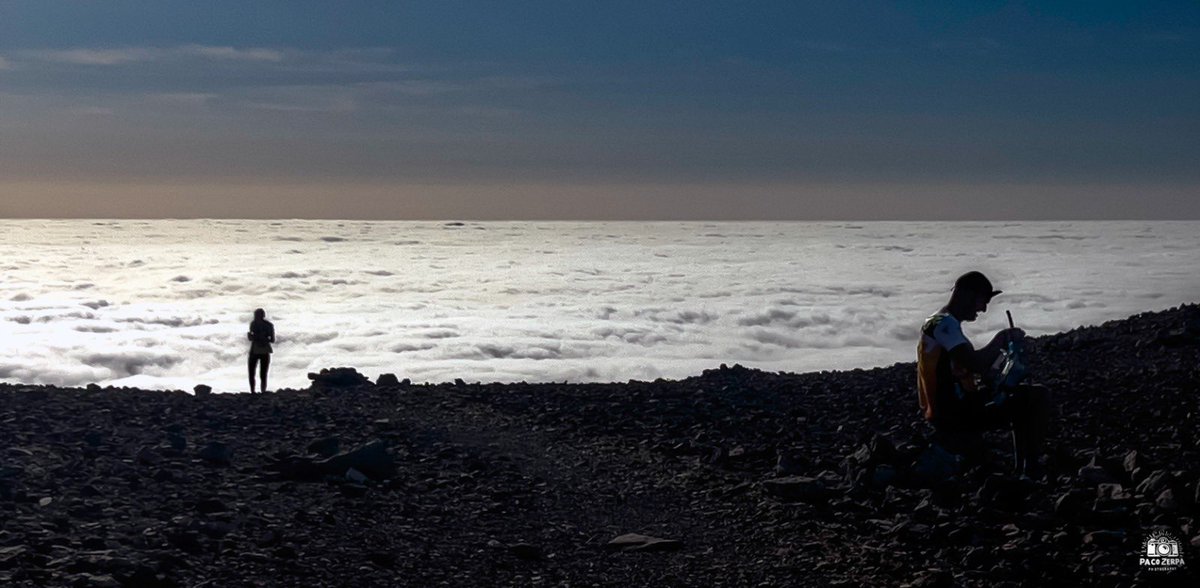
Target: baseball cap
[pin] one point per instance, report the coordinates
(976, 282)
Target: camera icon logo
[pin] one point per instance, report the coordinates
(1156, 547)
(1160, 552)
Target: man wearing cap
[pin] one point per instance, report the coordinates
(949, 370)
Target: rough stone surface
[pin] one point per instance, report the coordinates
(526, 484)
(387, 380)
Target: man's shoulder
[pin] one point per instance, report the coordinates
(945, 329)
(940, 319)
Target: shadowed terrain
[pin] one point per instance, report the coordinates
(743, 477)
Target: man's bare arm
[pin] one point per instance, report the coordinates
(977, 360)
(981, 360)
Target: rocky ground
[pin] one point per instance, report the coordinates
(735, 477)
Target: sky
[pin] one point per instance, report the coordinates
(600, 110)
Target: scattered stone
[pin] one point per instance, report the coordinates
(285, 552)
(383, 559)
(935, 465)
(557, 467)
(933, 578)
(878, 450)
(791, 463)
(642, 543)
(371, 459)
(1166, 500)
(797, 488)
(86, 580)
(883, 475)
(326, 447)
(1071, 504)
(353, 490)
(525, 551)
(177, 442)
(1093, 474)
(1132, 462)
(216, 453)
(210, 506)
(387, 380)
(1104, 537)
(149, 457)
(202, 390)
(1154, 483)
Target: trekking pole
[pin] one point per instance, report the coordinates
(1009, 314)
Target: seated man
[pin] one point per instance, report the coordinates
(950, 370)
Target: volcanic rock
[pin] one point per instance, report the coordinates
(387, 380)
(326, 447)
(1094, 474)
(642, 543)
(935, 465)
(1166, 500)
(371, 459)
(1154, 483)
(339, 377)
(177, 442)
(791, 462)
(216, 453)
(526, 551)
(570, 465)
(797, 488)
(147, 456)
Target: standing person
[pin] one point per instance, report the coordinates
(261, 336)
(950, 371)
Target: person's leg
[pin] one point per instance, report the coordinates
(262, 370)
(960, 431)
(1030, 422)
(250, 364)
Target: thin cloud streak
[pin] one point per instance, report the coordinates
(127, 55)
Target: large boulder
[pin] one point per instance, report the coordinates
(339, 377)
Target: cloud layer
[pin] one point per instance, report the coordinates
(165, 304)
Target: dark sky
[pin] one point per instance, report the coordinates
(627, 110)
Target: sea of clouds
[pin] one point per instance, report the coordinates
(165, 304)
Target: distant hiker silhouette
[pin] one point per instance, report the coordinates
(261, 336)
(952, 380)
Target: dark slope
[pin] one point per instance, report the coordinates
(526, 484)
